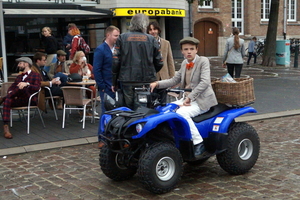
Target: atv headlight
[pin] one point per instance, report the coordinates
(142, 98)
(139, 128)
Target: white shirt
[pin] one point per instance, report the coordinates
(25, 76)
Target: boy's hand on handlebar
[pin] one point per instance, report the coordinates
(187, 102)
(153, 85)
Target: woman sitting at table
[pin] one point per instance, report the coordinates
(83, 68)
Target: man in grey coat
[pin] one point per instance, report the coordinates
(194, 74)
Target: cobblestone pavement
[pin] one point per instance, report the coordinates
(73, 173)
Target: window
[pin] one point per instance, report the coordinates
(207, 4)
(265, 9)
(291, 10)
(237, 14)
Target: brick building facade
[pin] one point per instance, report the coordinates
(212, 23)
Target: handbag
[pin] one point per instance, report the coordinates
(227, 55)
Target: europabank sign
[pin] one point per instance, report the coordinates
(167, 12)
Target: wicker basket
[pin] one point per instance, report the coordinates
(240, 93)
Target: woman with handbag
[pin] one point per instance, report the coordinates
(233, 54)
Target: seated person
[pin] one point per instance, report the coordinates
(39, 60)
(81, 67)
(19, 92)
(194, 74)
(60, 68)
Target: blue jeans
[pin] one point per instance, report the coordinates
(63, 77)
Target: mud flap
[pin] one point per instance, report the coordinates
(216, 142)
(186, 149)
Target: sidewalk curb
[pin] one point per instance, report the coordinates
(94, 139)
(49, 145)
(268, 115)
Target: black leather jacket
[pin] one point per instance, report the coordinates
(136, 59)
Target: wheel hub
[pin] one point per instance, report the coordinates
(120, 161)
(165, 168)
(245, 149)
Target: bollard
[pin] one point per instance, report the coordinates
(296, 55)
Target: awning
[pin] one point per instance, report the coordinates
(33, 10)
(20, 13)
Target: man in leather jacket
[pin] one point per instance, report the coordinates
(136, 60)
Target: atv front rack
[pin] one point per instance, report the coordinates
(122, 113)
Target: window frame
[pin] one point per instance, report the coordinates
(290, 10)
(210, 6)
(234, 19)
(265, 15)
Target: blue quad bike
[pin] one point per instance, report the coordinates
(154, 141)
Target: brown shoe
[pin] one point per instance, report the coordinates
(7, 134)
(59, 105)
(101, 144)
(50, 104)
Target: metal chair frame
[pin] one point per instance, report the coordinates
(28, 108)
(75, 96)
(51, 98)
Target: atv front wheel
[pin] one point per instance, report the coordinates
(160, 167)
(242, 151)
(112, 165)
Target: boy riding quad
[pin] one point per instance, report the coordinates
(154, 140)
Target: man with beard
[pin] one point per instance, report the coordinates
(19, 92)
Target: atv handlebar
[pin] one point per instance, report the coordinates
(178, 90)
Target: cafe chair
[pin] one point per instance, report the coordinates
(4, 88)
(27, 108)
(75, 96)
(51, 98)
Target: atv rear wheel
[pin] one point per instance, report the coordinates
(160, 167)
(242, 151)
(112, 166)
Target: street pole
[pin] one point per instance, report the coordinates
(284, 20)
(190, 2)
(296, 54)
(2, 33)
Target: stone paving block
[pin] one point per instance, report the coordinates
(76, 171)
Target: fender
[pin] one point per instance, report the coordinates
(221, 122)
(106, 117)
(178, 124)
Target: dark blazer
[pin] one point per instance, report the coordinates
(35, 83)
(51, 45)
(102, 66)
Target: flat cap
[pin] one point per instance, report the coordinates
(189, 40)
(24, 59)
(61, 53)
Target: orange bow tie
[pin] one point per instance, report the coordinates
(189, 65)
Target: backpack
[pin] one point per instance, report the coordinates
(82, 45)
